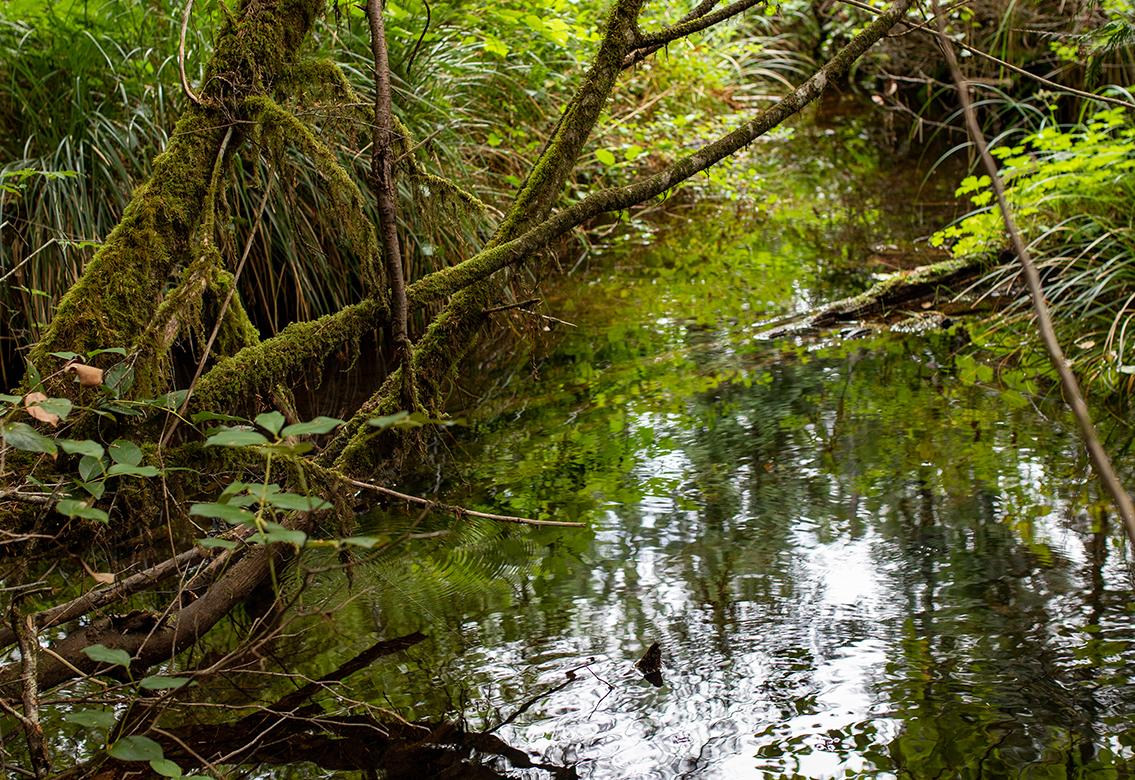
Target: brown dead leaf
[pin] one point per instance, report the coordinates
(101, 577)
(89, 376)
(38, 412)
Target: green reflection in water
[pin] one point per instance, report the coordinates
(867, 559)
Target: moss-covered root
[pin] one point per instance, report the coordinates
(111, 303)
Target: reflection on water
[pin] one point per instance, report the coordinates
(864, 560)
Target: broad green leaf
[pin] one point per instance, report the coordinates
(226, 512)
(389, 420)
(73, 508)
(119, 378)
(294, 501)
(123, 451)
(106, 655)
(274, 532)
(86, 447)
(24, 437)
(125, 470)
(136, 748)
(271, 422)
(360, 541)
(107, 351)
(64, 355)
(10, 399)
(90, 467)
(96, 489)
(604, 156)
(165, 767)
(172, 400)
(92, 719)
(57, 406)
(235, 437)
(299, 448)
(157, 682)
(319, 425)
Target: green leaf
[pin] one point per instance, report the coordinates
(72, 508)
(106, 351)
(360, 541)
(271, 422)
(96, 489)
(90, 467)
(294, 501)
(119, 378)
(157, 682)
(126, 470)
(172, 400)
(235, 437)
(165, 767)
(59, 406)
(92, 719)
(210, 542)
(86, 448)
(136, 748)
(226, 512)
(106, 655)
(389, 420)
(24, 437)
(319, 425)
(274, 532)
(10, 399)
(123, 451)
(604, 156)
(64, 355)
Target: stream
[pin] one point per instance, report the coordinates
(860, 557)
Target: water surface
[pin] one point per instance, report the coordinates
(877, 557)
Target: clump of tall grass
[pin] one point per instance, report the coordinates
(1071, 188)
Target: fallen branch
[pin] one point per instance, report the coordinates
(458, 510)
(899, 290)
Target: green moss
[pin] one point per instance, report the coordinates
(282, 127)
(293, 355)
(111, 303)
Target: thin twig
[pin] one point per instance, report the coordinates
(506, 307)
(457, 510)
(181, 54)
(1101, 463)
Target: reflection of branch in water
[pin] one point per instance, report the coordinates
(570, 675)
(296, 728)
(610, 688)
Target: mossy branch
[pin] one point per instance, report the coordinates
(492, 259)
